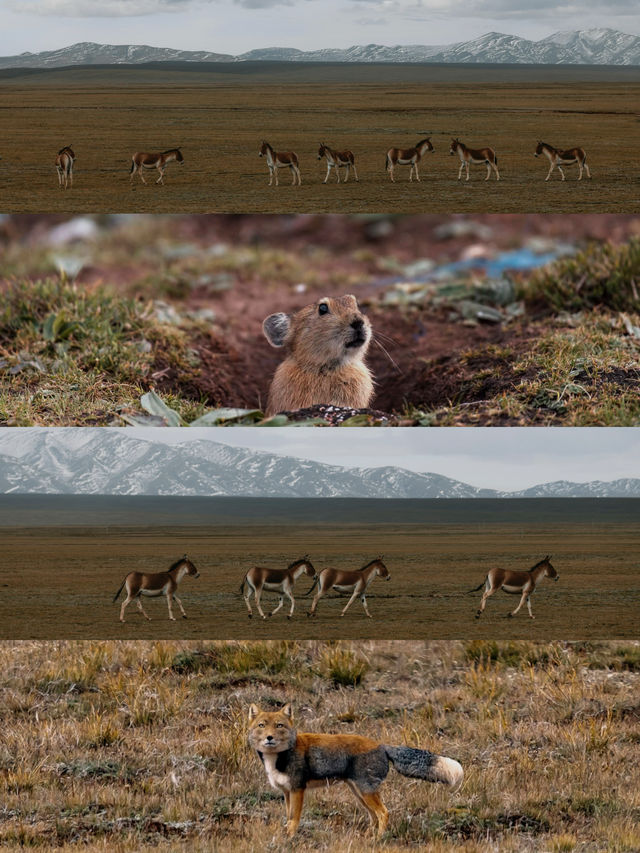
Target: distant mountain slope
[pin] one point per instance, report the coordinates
(109, 462)
(589, 47)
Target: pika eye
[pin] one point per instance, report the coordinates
(323, 308)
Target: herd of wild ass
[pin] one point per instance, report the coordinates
(259, 579)
(337, 160)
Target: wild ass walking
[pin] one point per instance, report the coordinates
(474, 155)
(141, 160)
(408, 157)
(516, 583)
(558, 159)
(64, 166)
(280, 160)
(348, 581)
(337, 159)
(153, 584)
(260, 578)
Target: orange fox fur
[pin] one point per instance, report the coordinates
(295, 761)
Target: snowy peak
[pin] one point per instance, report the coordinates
(596, 46)
(111, 462)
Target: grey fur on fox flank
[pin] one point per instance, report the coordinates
(295, 761)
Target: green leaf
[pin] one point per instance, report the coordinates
(216, 416)
(151, 403)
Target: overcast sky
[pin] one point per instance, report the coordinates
(234, 26)
(497, 458)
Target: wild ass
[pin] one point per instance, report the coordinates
(64, 166)
(141, 160)
(558, 159)
(260, 578)
(408, 157)
(348, 581)
(280, 160)
(153, 584)
(516, 583)
(474, 155)
(337, 159)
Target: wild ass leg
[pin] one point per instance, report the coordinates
(175, 598)
(488, 170)
(169, 597)
(495, 168)
(489, 590)
(356, 592)
(328, 172)
(124, 604)
(246, 600)
(466, 163)
(141, 609)
(559, 167)
(529, 607)
(71, 175)
(355, 173)
(364, 604)
(523, 598)
(460, 169)
(256, 595)
(316, 599)
(273, 612)
(161, 178)
(346, 174)
(586, 168)
(579, 170)
(299, 176)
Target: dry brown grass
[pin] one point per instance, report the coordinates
(140, 746)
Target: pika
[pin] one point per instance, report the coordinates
(326, 344)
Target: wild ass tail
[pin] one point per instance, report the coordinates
(476, 588)
(133, 165)
(244, 580)
(115, 597)
(313, 585)
(422, 764)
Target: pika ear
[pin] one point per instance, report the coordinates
(253, 712)
(276, 328)
(287, 710)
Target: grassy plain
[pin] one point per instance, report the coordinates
(142, 746)
(219, 114)
(67, 572)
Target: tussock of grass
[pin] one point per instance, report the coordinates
(603, 275)
(75, 355)
(342, 668)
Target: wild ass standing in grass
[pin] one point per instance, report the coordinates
(64, 166)
(141, 160)
(408, 157)
(348, 581)
(474, 155)
(558, 159)
(154, 584)
(516, 583)
(280, 160)
(260, 578)
(337, 159)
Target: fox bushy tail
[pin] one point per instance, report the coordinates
(422, 764)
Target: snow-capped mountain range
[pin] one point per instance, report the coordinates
(109, 462)
(602, 46)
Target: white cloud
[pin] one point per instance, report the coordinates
(97, 8)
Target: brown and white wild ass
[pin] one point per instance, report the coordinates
(260, 578)
(280, 160)
(521, 583)
(558, 159)
(64, 166)
(154, 584)
(408, 157)
(141, 160)
(474, 155)
(337, 159)
(348, 581)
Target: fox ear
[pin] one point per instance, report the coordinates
(253, 712)
(287, 710)
(276, 328)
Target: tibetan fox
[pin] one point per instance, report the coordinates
(295, 761)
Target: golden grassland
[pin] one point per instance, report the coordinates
(142, 746)
(66, 581)
(220, 119)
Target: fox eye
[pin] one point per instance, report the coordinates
(323, 308)
(260, 725)
(280, 726)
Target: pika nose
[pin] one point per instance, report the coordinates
(357, 324)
